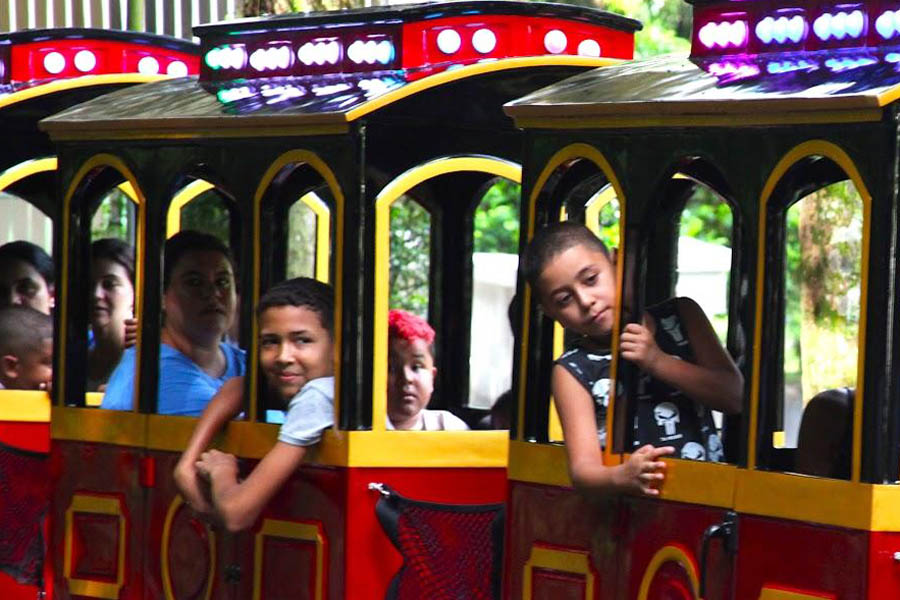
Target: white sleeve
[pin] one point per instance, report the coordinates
(310, 412)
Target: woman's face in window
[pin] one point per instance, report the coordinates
(113, 299)
(200, 301)
(21, 284)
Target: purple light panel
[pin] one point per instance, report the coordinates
(724, 34)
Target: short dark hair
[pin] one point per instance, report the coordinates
(32, 254)
(23, 329)
(552, 240)
(117, 251)
(302, 291)
(185, 242)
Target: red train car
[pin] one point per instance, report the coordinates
(308, 132)
(759, 177)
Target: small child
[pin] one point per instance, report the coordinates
(296, 355)
(411, 373)
(26, 349)
(684, 369)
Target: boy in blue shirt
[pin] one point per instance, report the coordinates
(296, 356)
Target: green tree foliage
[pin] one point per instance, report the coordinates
(410, 256)
(496, 220)
(707, 217)
(667, 24)
(114, 217)
(208, 213)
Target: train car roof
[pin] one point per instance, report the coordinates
(668, 89)
(300, 102)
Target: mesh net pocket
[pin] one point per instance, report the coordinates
(450, 551)
(24, 497)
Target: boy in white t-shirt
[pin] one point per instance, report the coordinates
(411, 374)
(296, 355)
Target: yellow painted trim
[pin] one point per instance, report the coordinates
(313, 160)
(26, 169)
(769, 593)
(546, 464)
(293, 530)
(386, 197)
(25, 406)
(843, 160)
(482, 68)
(96, 162)
(699, 482)
(564, 155)
(700, 120)
(557, 559)
(177, 502)
(323, 234)
(64, 85)
(666, 554)
(185, 195)
(93, 399)
(224, 128)
(101, 505)
(122, 428)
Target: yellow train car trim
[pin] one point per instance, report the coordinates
(699, 120)
(65, 85)
(188, 129)
(25, 406)
(166, 575)
(772, 593)
(323, 234)
(313, 160)
(563, 560)
(546, 464)
(386, 197)
(99, 161)
(26, 169)
(843, 160)
(666, 554)
(122, 428)
(482, 68)
(185, 195)
(100, 505)
(292, 530)
(567, 154)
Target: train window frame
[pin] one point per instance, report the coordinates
(80, 202)
(546, 198)
(290, 178)
(404, 184)
(807, 168)
(675, 187)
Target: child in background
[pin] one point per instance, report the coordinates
(411, 373)
(685, 372)
(26, 349)
(296, 355)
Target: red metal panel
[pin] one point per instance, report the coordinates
(814, 559)
(27, 436)
(654, 524)
(884, 569)
(105, 472)
(372, 560)
(548, 515)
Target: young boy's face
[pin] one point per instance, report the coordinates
(294, 348)
(411, 374)
(32, 370)
(578, 288)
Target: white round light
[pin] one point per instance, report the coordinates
(764, 30)
(176, 68)
(779, 31)
(707, 34)
(896, 20)
(822, 27)
(54, 63)
(306, 53)
(796, 28)
(370, 51)
(855, 23)
(85, 61)
(589, 48)
(555, 41)
(484, 41)
(355, 51)
(839, 25)
(738, 33)
(449, 41)
(884, 24)
(332, 52)
(384, 52)
(148, 66)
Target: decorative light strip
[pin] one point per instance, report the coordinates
(782, 29)
(888, 24)
(725, 34)
(840, 25)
